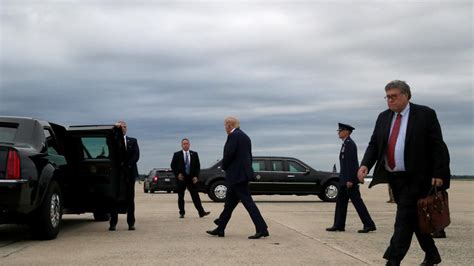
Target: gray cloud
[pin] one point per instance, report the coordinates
(290, 70)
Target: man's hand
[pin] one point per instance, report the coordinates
(180, 177)
(349, 184)
(362, 173)
(437, 182)
(195, 180)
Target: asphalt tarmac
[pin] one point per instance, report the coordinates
(296, 225)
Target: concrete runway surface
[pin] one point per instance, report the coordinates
(296, 224)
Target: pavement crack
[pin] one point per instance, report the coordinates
(334, 247)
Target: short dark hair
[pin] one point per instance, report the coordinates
(184, 140)
(401, 85)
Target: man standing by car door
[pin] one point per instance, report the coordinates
(186, 167)
(237, 163)
(131, 173)
(349, 184)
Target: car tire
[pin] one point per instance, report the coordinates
(330, 192)
(145, 190)
(218, 191)
(48, 217)
(101, 216)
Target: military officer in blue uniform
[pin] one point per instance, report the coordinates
(349, 184)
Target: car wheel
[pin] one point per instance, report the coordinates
(218, 191)
(330, 192)
(101, 216)
(48, 217)
(145, 190)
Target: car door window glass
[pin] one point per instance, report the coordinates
(95, 147)
(277, 166)
(50, 142)
(258, 166)
(295, 167)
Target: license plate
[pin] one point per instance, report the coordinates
(167, 180)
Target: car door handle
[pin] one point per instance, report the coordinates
(291, 175)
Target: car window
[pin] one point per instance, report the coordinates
(8, 131)
(258, 166)
(95, 147)
(277, 166)
(50, 142)
(295, 167)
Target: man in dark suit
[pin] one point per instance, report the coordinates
(410, 153)
(131, 173)
(186, 167)
(237, 163)
(349, 184)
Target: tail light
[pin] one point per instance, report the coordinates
(13, 165)
(155, 178)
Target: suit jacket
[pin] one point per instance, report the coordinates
(178, 166)
(237, 159)
(426, 155)
(132, 156)
(349, 162)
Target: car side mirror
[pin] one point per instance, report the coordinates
(307, 172)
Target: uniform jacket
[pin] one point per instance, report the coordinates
(178, 166)
(349, 162)
(237, 160)
(426, 155)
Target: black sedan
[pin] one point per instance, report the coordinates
(275, 175)
(160, 179)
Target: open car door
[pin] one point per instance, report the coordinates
(96, 180)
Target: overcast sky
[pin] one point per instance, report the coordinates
(290, 70)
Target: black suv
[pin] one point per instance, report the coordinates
(275, 175)
(160, 179)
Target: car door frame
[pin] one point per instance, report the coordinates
(96, 184)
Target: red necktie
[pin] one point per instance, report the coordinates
(393, 141)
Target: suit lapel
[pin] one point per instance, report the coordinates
(386, 127)
(411, 123)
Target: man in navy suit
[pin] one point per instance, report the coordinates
(408, 151)
(186, 167)
(237, 163)
(131, 173)
(349, 184)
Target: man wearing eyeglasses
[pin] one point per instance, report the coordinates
(408, 151)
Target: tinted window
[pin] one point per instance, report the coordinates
(95, 147)
(295, 167)
(258, 166)
(8, 131)
(277, 166)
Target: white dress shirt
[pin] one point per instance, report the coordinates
(400, 146)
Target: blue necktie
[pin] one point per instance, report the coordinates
(186, 162)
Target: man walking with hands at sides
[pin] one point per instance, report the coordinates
(349, 184)
(186, 167)
(410, 153)
(237, 163)
(131, 173)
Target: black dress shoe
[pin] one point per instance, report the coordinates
(260, 234)
(431, 261)
(216, 221)
(131, 228)
(439, 234)
(181, 216)
(204, 214)
(392, 263)
(112, 228)
(334, 229)
(367, 229)
(216, 232)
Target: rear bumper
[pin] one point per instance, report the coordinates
(165, 184)
(13, 195)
